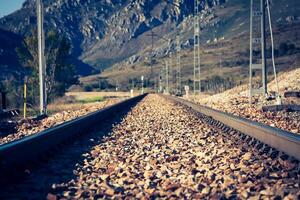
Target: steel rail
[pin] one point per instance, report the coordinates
(281, 140)
(27, 149)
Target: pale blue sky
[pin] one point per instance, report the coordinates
(9, 6)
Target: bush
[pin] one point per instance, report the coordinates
(88, 88)
(287, 49)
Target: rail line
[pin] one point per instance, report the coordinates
(18, 153)
(281, 140)
(21, 151)
(150, 146)
(27, 149)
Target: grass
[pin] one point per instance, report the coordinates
(79, 100)
(92, 99)
(86, 95)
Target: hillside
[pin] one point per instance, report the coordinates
(226, 60)
(224, 50)
(102, 32)
(114, 36)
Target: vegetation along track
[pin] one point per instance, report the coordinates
(162, 149)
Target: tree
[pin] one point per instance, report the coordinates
(60, 73)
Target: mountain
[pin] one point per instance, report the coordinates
(109, 34)
(103, 32)
(224, 47)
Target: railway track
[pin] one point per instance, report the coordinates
(283, 141)
(17, 153)
(161, 148)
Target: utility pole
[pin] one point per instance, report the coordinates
(152, 53)
(167, 77)
(178, 58)
(261, 41)
(169, 66)
(197, 68)
(131, 88)
(25, 99)
(41, 58)
(142, 79)
(117, 86)
(220, 65)
(132, 84)
(263, 46)
(178, 70)
(153, 35)
(160, 81)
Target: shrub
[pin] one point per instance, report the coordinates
(88, 88)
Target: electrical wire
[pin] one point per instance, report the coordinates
(273, 56)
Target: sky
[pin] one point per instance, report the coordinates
(9, 6)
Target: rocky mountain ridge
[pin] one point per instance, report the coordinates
(108, 31)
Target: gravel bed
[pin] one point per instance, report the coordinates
(29, 127)
(236, 101)
(161, 150)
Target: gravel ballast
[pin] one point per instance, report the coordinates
(161, 150)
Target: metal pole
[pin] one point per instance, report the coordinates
(170, 64)
(117, 86)
(251, 51)
(179, 87)
(163, 79)
(132, 84)
(197, 64)
(41, 58)
(195, 37)
(263, 48)
(142, 79)
(131, 90)
(25, 99)
(167, 78)
(152, 46)
(159, 83)
(195, 53)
